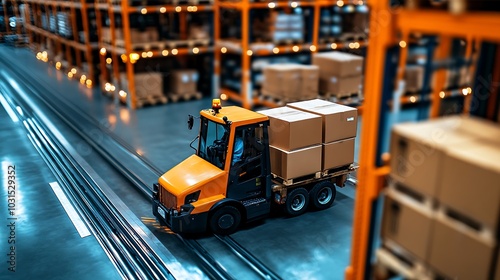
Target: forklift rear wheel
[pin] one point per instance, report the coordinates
(225, 220)
(296, 202)
(323, 194)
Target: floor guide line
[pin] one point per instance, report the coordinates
(70, 210)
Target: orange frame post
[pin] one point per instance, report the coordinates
(370, 176)
(131, 98)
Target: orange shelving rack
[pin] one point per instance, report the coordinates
(388, 26)
(246, 49)
(68, 46)
(119, 54)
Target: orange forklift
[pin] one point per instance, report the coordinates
(228, 180)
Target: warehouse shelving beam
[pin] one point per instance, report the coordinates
(383, 23)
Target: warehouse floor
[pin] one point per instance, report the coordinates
(317, 243)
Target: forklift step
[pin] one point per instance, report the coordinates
(253, 201)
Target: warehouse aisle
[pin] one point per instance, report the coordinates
(40, 241)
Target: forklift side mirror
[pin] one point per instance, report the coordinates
(190, 122)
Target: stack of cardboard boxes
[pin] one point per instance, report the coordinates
(414, 78)
(443, 205)
(137, 36)
(183, 84)
(310, 136)
(279, 28)
(340, 74)
(148, 86)
(290, 82)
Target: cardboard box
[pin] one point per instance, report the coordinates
(282, 80)
(338, 64)
(337, 154)
(310, 81)
(294, 164)
(470, 182)
(146, 84)
(339, 121)
(407, 222)
(184, 81)
(418, 151)
(459, 252)
(340, 86)
(414, 78)
(291, 129)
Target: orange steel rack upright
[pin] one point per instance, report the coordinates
(246, 49)
(126, 53)
(384, 25)
(72, 50)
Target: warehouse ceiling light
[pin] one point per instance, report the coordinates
(163, 10)
(249, 52)
(223, 96)
(103, 51)
(164, 52)
(89, 83)
(144, 11)
(402, 44)
(70, 75)
(58, 65)
(196, 50)
(294, 4)
(340, 3)
(333, 46)
(295, 48)
(73, 70)
(223, 50)
(109, 60)
(150, 54)
(465, 91)
(312, 48)
(469, 90)
(276, 50)
(122, 94)
(271, 5)
(442, 94)
(124, 57)
(178, 9)
(413, 99)
(356, 45)
(175, 51)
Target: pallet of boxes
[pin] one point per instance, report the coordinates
(311, 138)
(148, 88)
(340, 74)
(287, 82)
(442, 207)
(183, 85)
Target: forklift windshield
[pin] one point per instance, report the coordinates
(213, 142)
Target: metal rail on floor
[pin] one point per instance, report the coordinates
(131, 255)
(214, 269)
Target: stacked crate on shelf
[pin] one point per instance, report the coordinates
(288, 82)
(253, 31)
(343, 23)
(442, 208)
(11, 27)
(340, 73)
(154, 40)
(64, 33)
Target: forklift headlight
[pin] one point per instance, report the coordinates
(192, 197)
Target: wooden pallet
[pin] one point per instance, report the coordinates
(175, 97)
(192, 2)
(352, 37)
(339, 97)
(392, 259)
(298, 180)
(151, 100)
(453, 6)
(188, 43)
(288, 42)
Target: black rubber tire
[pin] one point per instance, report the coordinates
(296, 202)
(225, 220)
(323, 194)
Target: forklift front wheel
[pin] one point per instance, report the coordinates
(296, 202)
(225, 220)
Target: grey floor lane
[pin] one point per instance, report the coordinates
(47, 245)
